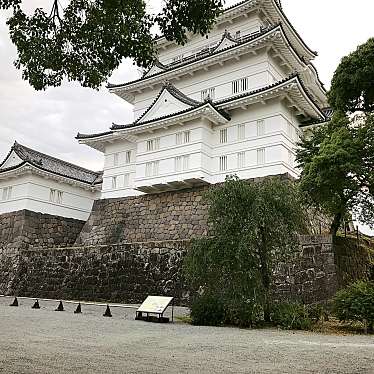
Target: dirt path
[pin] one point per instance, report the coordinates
(45, 341)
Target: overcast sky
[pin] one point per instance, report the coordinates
(48, 121)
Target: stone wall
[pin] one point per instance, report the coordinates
(26, 229)
(311, 276)
(129, 272)
(117, 273)
(167, 216)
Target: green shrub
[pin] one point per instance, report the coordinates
(292, 316)
(246, 314)
(318, 312)
(356, 304)
(207, 310)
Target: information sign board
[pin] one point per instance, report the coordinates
(155, 304)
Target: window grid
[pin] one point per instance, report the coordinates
(241, 159)
(52, 194)
(240, 85)
(260, 127)
(223, 163)
(115, 159)
(183, 137)
(186, 162)
(178, 163)
(241, 132)
(208, 94)
(261, 156)
(114, 183)
(223, 136)
(126, 180)
(60, 195)
(152, 168)
(128, 157)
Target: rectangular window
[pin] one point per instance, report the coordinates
(156, 167)
(179, 138)
(126, 180)
(223, 163)
(241, 132)
(240, 85)
(183, 137)
(238, 35)
(178, 163)
(60, 195)
(186, 162)
(52, 194)
(157, 143)
(223, 136)
(148, 169)
(128, 157)
(114, 183)
(152, 168)
(241, 160)
(153, 144)
(187, 136)
(261, 156)
(56, 196)
(177, 58)
(208, 94)
(7, 193)
(150, 145)
(115, 159)
(260, 127)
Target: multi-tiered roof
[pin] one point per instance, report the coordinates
(302, 90)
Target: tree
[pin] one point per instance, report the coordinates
(253, 226)
(352, 87)
(337, 162)
(88, 39)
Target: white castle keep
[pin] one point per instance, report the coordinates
(235, 102)
(232, 103)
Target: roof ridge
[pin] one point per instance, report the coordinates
(25, 158)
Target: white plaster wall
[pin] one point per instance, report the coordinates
(279, 136)
(32, 192)
(259, 70)
(197, 43)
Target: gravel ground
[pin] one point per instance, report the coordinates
(45, 341)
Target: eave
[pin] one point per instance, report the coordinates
(292, 90)
(206, 111)
(27, 167)
(272, 9)
(275, 39)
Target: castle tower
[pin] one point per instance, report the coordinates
(233, 103)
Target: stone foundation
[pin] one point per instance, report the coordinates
(117, 273)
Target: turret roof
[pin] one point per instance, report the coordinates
(51, 164)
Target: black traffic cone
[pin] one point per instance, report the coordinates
(107, 312)
(78, 310)
(60, 307)
(14, 303)
(36, 305)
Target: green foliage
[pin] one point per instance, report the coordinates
(88, 39)
(291, 316)
(356, 303)
(337, 162)
(352, 86)
(252, 227)
(207, 310)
